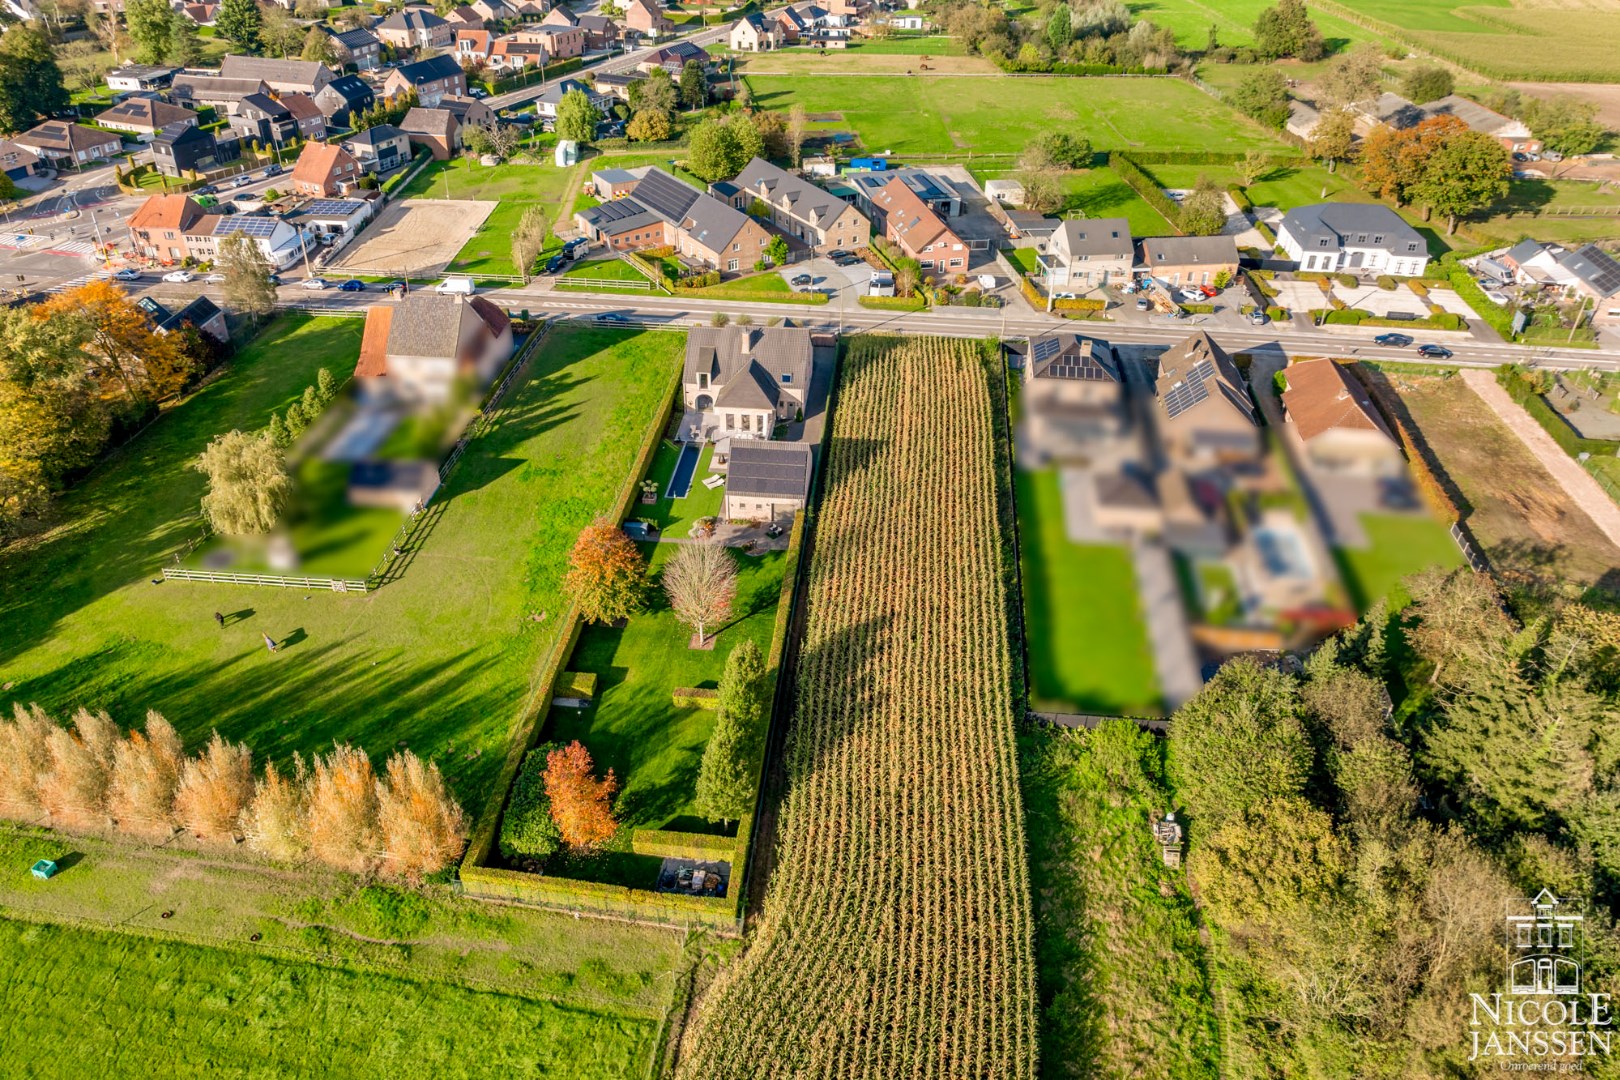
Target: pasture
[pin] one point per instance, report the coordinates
(440, 660)
(1234, 22)
(964, 116)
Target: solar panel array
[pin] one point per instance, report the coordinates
(1604, 276)
(1046, 354)
(335, 207)
(666, 196)
(252, 226)
(1191, 390)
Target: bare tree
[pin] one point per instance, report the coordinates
(215, 787)
(701, 581)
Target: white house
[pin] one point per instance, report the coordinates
(1355, 238)
(739, 381)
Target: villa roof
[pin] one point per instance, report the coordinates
(1322, 396)
(771, 469)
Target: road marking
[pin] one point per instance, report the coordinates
(83, 279)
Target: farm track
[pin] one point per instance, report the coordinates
(896, 937)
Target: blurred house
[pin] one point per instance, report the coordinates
(1335, 419)
(417, 351)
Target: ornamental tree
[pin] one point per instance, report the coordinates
(248, 487)
(581, 805)
(725, 785)
(701, 581)
(607, 576)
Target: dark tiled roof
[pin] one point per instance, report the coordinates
(1070, 356)
(805, 201)
(727, 352)
(1199, 370)
(379, 134)
(434, 67)
(1096, 236)
(1347, 223)
(775, 469)
(1189, 250)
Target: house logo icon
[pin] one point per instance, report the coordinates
(1541, 948)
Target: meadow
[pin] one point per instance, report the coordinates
(1123, 982)
(1085, 635)
(439, 659)
(997, 115)
(256, 971)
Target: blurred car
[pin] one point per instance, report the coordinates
(1209, 291)
(800, 281)
(128, 275)
(1258, 317)
(214, 279)
(242, 181)
(1191, 295)
(611, 317)
(1434, 352)
(479, 92)
(1142, 303)
(179, 276)
(555, 263)
(272, 170)
(396, 284)
(837, 253)
(1399, 341)
(1500, 299)
(352, 285)
(317, 283)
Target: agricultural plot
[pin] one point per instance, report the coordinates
(1123, 990)
(416, 239)
(1531, 39)
(896, 937)
(439, 660)
(1000, 115)
(1233, 21)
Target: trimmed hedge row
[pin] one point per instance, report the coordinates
(1568, 439)
(597, 898)
(683, 845)
(1201, 157)
(1013, 67)
(695, 697)
(1144, 185)
(894, 303)
(1433, 492)
(1443, 320)
(577, 684)
(1038, 300)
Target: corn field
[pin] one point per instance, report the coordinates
(896, 937)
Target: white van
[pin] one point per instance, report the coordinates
(461, 285)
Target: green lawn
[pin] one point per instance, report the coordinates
(606, 270)
(345, 979)
(1234, 22)
(1122, 978)
(514, 187)
(1096, 193)
(1088, 645)
(999, 115)
(767, 286)
(908, 45)
(440, 659)
(1402, 544)
(653, 746)
(675, 516)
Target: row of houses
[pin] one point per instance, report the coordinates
(1394, 111)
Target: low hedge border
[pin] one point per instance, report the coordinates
(695, 697)
(1445, 320)
(577, 684)
(1568, 439)
(683, 845)
(1037, 300)
(1428, 484)
(894, 303)
(597, 898)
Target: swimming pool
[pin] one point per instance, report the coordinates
(680, 482)
(1282, 553)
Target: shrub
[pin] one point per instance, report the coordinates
(343, 809)
(581, 805)
(1349, 281)
(215, 787)
(1241, 198)
(1419, 289)
(276, 822)
(1279, 382)
(695, 697)
(423, 828)
(1277, 314)
(1387, 283)
(528, 833)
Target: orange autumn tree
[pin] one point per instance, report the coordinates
(127, 356)
(581, 805)
(606, 574)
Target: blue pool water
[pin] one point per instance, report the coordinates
(685, 466)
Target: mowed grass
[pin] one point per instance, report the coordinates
(514, 187)
(1234, 22)
(1000, 114)
(677, 516)
(1088, 644)
(440, 659)
(1538, 39)
(1096, 193)
(653, 746)
(1400, 544)
(1121, 975)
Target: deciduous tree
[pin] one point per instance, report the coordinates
(215, 787)
(1468, 171)
(649, 125)
(577, 117)
(1354, 76)
(725, 785)
(1426, 82)
(1333, 139)
(701, 581)
(318, 47)
(657, 91)
(154, 27)
(423, 827)
(343, 809)
(694, 85)
(607, 576)
(1287, 30)
(30, 81)
(145, 775)
(248, 284)
(1203, 211)
(126, 353)
(276, 822)
(581, 805)
(1264, 96)
(248, 487)
(242, 22)
(1564, 123)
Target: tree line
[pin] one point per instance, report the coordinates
(336, 809)
(1357, 828)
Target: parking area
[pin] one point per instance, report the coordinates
(824, 274)
(1396, 302)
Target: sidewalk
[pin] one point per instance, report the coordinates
(1577, 483)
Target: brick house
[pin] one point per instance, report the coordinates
(1087, 253)
(63, 145)
(325, 170)
(144, 117)
(912, 226)
(660, 211)
(801, 209)
(436, 129)
(415, 29)
(432, 79)
(1189, 260)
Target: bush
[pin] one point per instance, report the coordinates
(1523, 387)
(1387, 283)
(576, 684)
(683, 845)
(1419, 289)
(1199, 309)
(699, 281)
(694, 697)
(1279, 382)
(1349, 281)
(1241, 198)
(1277, 314)
(528, 834)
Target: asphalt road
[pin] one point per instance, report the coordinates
(625, 62)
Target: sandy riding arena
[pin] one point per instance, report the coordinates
(416, 237)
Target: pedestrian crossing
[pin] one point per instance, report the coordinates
(82, 279)
(72, 247)
(19, 241)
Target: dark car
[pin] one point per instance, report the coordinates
(272, 170)
(555, 263)
(1434, 352)
(801, 280)
(837, 253)
(396, 284)
(206, 189)
(1399, 341)
(612, 317)
(847, 260)
(352, 285)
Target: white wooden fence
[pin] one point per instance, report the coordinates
(339, 585)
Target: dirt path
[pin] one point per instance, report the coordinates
(1577, 483)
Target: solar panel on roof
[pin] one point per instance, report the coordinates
(342, 207)
(254, 227)
(1605, 272)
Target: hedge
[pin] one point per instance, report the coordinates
(1241, 198)
(1387, 283)
(1444, 320)
(1198, 309)
(1048, 67)
(695, 697)
(1427, 483)
(577, 684)
(595, 897)
(1084, 303)
(1201, 157)
(1145, 186)
(1519, 389)
(1277, 314)
(683, 845)
(894, 303)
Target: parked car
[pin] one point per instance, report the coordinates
(555, 263)
(206, 189)
(1142, 303)
(611, 317)
(1259, 317)
(1189, 294)
(575, 246)
(479, 92)
(1434, 352)
(1517, 156)
(396, 285)
(242, 181)
(1500, 299)
(352, 285)
(179, 276)
(272, 170)
(1399, 341)
(455, 286)
(837, 253)
(214, 279)
(128, 275)
(1209, 291)
(847, 260)
(317, 283)
(801, 280)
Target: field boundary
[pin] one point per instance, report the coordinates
(337, 585)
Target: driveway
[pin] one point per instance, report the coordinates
(824, 275)
(1382, 302)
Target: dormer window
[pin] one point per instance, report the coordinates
(1378, 239)
(1322, 242)
(1412, 246)
(787, 377)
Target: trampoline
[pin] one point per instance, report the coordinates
(680, 482)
